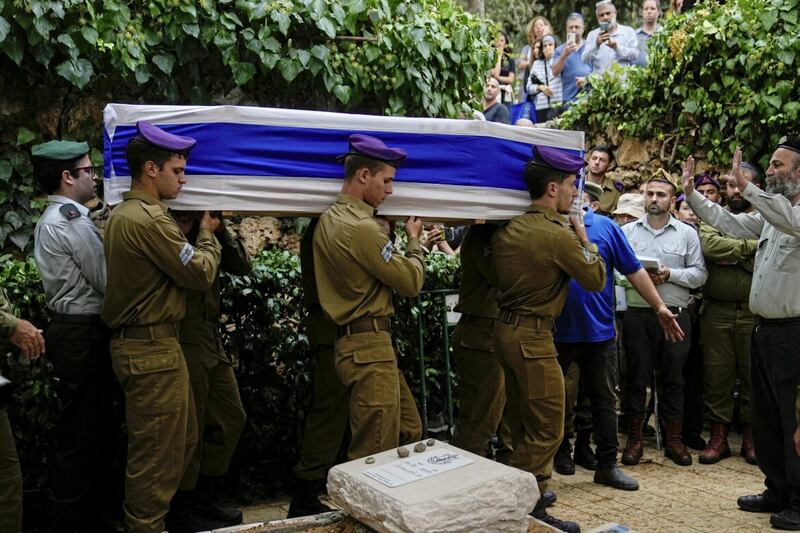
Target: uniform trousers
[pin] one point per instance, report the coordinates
(87, 474)
(326, 421)
(10, 479)
(535, 396)
(481, 384)
(383, 413)
(218, 409)
(162, 429)
(598, 372)
(775, 374)
(648, 350)
(726, 329)
(577, 408)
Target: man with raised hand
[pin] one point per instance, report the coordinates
(775, 303)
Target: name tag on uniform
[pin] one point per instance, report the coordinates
(187, 252)
(386, 253)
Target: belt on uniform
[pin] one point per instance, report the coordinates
(761, 321)
(76, 319)
(477, 321)
(156, 331)
(651, 311)
(738, 306)
(526, 321)
(363, 325)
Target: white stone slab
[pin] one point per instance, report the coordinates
(480, 496)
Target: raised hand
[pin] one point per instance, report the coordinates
(688, 175)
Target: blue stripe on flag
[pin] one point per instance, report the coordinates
(262, 150)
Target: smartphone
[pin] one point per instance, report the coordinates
(604, 26)
(571, 37)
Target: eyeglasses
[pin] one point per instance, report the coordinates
(92, 170)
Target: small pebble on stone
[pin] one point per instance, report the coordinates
(402, 451)
(369, 460)
(420, 447)
(430, 442)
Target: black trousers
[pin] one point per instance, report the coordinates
(646, 350)
(86, 485)
(598, 373)
(693, 371)
(775, 374)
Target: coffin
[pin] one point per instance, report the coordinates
(281, 162)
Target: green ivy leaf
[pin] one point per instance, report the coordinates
(164, 62)
(326, 25)
(303, 56)
(5, 29)
(271, 44)
(269, 59)
(142, 74)
(5, 171)
(242, 72)
(24, 136)
(357, 6)
(342, 92)
(191, 29)
(67, 41)
(13, 218)
(320, 52)
(289, 68)
(89, 35)
(43, 26)
(283, 21)
(13, 48)
(76, 71)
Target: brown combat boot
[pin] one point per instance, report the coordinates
(717, 447)
(748, 451)
(634, 448)
(673, 445)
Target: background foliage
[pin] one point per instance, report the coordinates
(718, 76)
(263, 325)
(63, 60)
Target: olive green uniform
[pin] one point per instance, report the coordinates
(726, 323)
(356, 269)
(10, 474)
(150, 267)
(326, 421)
(535, 256)
(481, 385)
(612, 190)
(218, 405)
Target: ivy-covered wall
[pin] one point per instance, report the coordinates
(63, 60)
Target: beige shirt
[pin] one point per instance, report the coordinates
(535, 256)
(356, 266)
(151, 264)
(775, 292)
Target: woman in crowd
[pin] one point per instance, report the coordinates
(543, 85)
(504, 69)
(537, 28)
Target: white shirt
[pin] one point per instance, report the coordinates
(70, 258)
(775, 292)
(600, 59)
(677, 247)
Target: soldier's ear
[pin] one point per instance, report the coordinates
(149, 169)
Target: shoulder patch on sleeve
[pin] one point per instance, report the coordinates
(186, 254)
(619, 185)
(70, 211)
(386, 252)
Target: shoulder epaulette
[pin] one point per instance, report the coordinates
(70, 211)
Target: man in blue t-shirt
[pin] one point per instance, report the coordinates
(585, 334)
(568, 62)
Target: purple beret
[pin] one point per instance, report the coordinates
(557, 159)
(372, 147)
(160, 138)
(706, 179)
(680, 199)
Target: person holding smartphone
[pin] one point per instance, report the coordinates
(568, 62)
(611, 43)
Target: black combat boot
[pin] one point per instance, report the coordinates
(540, 513)
(562, 462)
(305, 500)
(583, 454)
(182, 517)
(206, 503)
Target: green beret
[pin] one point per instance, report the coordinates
(60, 150)
(594, 190)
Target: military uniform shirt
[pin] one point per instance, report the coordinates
(69, 255)
(677, 247)
(150, 264)
(477, 295)
(8, 322)
(319, 328)
(775, 292)
(356, 266)
(729, 263)
(611, 193)
(535, 256)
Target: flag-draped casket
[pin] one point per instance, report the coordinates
(282, 161)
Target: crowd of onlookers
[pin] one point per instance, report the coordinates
(553, 68)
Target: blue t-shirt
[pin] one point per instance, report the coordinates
(574, 67)
(589, 316)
